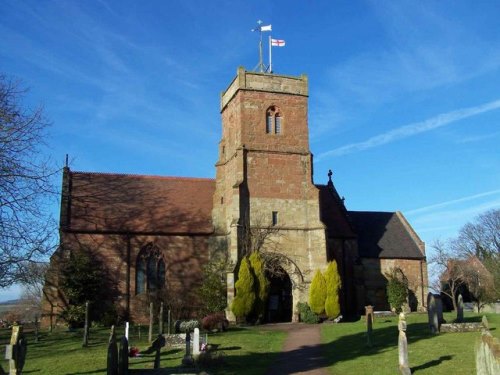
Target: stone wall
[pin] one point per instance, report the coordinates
(375, 282)
(184, 257)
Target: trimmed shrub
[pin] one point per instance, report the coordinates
(397, 289)
(333, 285)
(261, 284)
(213, 291)
(306, 314)
(215, 322)
(244, 299)
(317, 293)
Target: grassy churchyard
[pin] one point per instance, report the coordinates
(251, 350)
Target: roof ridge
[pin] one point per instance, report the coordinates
(143, 176)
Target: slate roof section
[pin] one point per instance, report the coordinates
(120, 203)
(333, 213)
(386, 235)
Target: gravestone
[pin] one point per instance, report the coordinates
(112, 357)
(15, 352)
(485, 323)
(369, 313)
(404, 367)
(126, 329)
(123, 357)
(157, 344)
(432, 313)
(188, 359)
(196, 342)
(460, 309)
(439, 309)
(369, 324)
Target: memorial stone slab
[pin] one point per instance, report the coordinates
(404, 367)
(460, 309)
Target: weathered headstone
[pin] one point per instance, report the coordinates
(86, 327)
(369, 324)
(460, 309)
(123, 357)
(150, 334)
(196, 342)
(404, 367)
(369, 313)
(112, 358)
(16, 351)
(432, 313)
(439, 310)
(485, 323)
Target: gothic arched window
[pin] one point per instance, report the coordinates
(150, 270)
(274, 120)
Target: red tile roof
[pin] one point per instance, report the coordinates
(139, 204)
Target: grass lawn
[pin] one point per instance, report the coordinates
(252, 350)
(346, 350)
(248, 351)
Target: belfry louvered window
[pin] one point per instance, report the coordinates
(274, 121)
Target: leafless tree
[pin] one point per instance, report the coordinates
(26, 231)
(264, 237)
(481, 238)
(450, 270)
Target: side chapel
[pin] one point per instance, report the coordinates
(156, 233)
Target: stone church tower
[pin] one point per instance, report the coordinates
(153, 235)
(264, 179)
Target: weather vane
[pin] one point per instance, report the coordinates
(272, 43)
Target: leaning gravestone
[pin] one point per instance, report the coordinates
(460, 309)
(112, 358)
(16, 351)
(404, 367)
(432, 313)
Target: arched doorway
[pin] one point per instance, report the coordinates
(280, 300)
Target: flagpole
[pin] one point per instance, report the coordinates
(270, 56)
(261, 64)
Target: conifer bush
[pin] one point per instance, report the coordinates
(261, 284)
(244, 299)
(317, 293)
(333, 285)
(397, 289)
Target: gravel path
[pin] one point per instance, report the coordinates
(301, 352)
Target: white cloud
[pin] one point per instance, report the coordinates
(413, 129)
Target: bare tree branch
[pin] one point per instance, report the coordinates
(26, 231)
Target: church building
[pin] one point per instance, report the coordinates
(156, 233)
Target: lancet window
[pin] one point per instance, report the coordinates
(150, 270)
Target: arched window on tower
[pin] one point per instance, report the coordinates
(277, 123)
(150, 270)
(274, 120)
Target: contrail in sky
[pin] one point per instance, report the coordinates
(412, 129)
(451, 202)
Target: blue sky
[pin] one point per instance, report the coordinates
(404, 100)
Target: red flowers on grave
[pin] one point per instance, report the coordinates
(133, 352)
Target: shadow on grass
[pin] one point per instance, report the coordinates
(432, 363)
